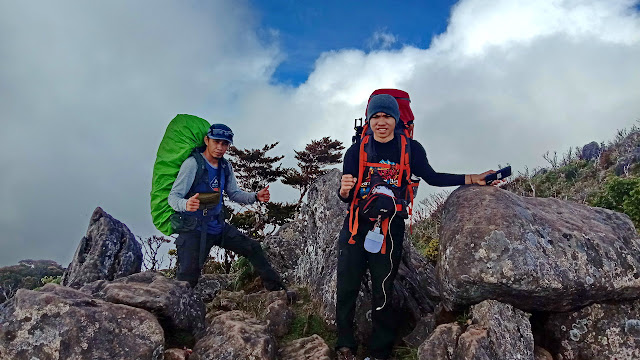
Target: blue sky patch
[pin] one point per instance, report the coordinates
(307, 29)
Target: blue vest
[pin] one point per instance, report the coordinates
(210, 181)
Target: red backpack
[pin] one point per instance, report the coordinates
(363, 137)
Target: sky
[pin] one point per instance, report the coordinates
(88, 88)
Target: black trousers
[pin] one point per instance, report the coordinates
(188, 246)
(353, 261)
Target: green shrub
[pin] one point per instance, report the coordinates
(431, 251)
(51, 279)
(622, 195)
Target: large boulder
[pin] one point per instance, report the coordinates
(441, 344)
(108, 251)
(309, 348)
(178, 309)
(62, 323)
(598, 331)
(235, 335)
(537, 254)
(495, 331)
(590, 151)
(305, 252)
(270, 307)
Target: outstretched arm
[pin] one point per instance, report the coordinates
(235, 193)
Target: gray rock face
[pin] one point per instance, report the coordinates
(108, 251)
(591, 151)
(508, 329)
(309, 348)
(441, 344)
(235, 335)
(598, 331)
(62, 323)
(305, 252)
(279, 317)
(624, 162)
(497, 332)
(421, 332)
(538, 254)
(474, 345)
(210, 285)
(173, 302)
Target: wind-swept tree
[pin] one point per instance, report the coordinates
(255, 170)
(312, 162)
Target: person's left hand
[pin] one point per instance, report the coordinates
(479, 178)
(263, 195)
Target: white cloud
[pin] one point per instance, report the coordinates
(381, 40)
(86, 90)
(476, 25)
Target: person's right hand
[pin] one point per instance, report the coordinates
(193, 203)
(346, 184)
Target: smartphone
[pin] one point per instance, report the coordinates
(499, 175)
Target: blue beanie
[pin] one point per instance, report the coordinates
(383, 103)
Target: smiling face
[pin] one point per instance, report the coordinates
(216, 148)
(382, 126)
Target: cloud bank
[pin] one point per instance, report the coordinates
(86, 91)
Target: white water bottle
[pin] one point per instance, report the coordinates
(373, 240)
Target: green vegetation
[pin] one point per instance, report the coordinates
(28, 274)
(622, 195)
(307, 320)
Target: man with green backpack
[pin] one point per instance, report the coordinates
(196, 197)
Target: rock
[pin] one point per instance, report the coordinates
(421, 332)
(269, 306)
(441, 344)
(279, 317)
(62, 323)
(625, 162)
(598, 331)
(210, 285)
(108, 251)
(508, 329)
(591, 151)
(540, 354)
(235, 335)
(179, 311)
(309, 348)
(305, 252)
(176, 354)
(538, 254)
(474, 345)
(497, 331)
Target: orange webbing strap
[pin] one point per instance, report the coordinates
(353, 219)
(403, 145)
(385, 229)
(379, 165)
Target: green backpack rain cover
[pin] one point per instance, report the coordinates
(184, 133)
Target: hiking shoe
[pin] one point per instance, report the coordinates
(344, 353)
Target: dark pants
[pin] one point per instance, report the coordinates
(188, 246)
(353, 261)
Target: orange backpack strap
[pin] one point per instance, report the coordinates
(353, 218)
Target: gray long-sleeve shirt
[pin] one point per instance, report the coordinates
(187, 175)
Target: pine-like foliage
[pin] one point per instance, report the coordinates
(254, 170)
(312, 162)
